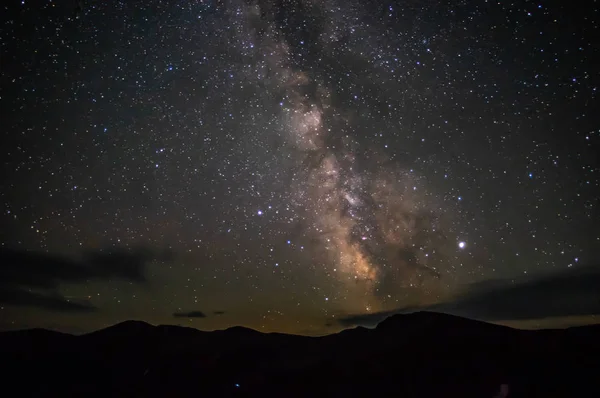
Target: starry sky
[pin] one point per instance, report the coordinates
(297, 165)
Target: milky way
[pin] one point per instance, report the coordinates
(369, 219)
(299, 160)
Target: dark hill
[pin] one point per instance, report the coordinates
(31, 341)
(427, 320)
(416, 355)
(122, 330)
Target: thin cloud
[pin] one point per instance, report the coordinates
(573, 292)
(33, 279)
(190, 314)
(48, 301)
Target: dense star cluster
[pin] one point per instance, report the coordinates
(299, 160)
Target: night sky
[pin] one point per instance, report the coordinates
(299, 165)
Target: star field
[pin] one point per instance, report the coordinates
(301, 160)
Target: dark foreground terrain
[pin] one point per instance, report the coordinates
(418, 355)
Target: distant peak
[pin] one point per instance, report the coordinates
(240, 330)
(126, 326)
(133, 323)
(417, 318)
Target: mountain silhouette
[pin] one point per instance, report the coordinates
(427, 320)
(415, 355)
(123, 329)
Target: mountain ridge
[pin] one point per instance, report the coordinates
(414, 355)
(409, 320)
